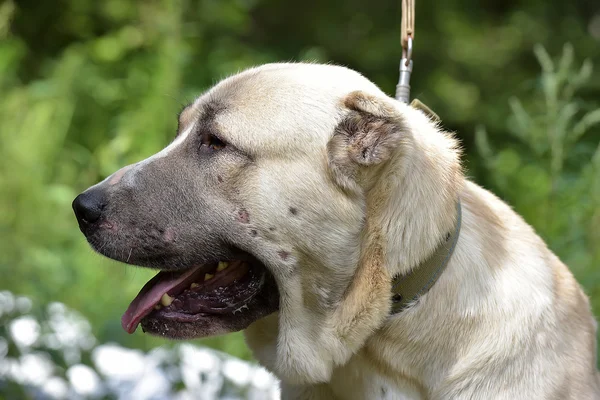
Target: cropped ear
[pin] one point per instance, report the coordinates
(367, 136)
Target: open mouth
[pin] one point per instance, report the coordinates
(210, 299)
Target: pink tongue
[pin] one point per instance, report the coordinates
(150, 295)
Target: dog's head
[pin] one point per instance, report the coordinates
(259, 205)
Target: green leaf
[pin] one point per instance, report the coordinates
(543, 58)
(585, 123)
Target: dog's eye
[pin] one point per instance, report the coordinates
(211, 142)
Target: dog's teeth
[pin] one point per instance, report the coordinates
(166, 300)
(157, 307)
(194, 285)
(222, 265)
(208, 276)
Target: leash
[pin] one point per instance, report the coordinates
(407, 36)
(406, 39)
(406, 289)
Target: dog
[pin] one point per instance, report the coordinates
(297, 202)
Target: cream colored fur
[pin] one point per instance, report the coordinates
(506, 320)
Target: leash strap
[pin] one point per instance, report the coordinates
(408, 22)
(408, 288)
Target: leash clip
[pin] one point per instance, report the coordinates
(407, 53)
(406, 66)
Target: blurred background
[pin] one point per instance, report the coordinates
(89, 86)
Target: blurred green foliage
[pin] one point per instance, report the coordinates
(87, 87)
(551, 174)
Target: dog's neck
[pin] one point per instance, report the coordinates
(417, 192)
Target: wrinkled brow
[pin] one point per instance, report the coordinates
(185, 117)
(205, 113)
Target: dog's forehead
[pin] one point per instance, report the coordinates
(280, 107)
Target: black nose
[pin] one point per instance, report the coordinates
(88, 206)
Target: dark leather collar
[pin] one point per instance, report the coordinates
(406, 289)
